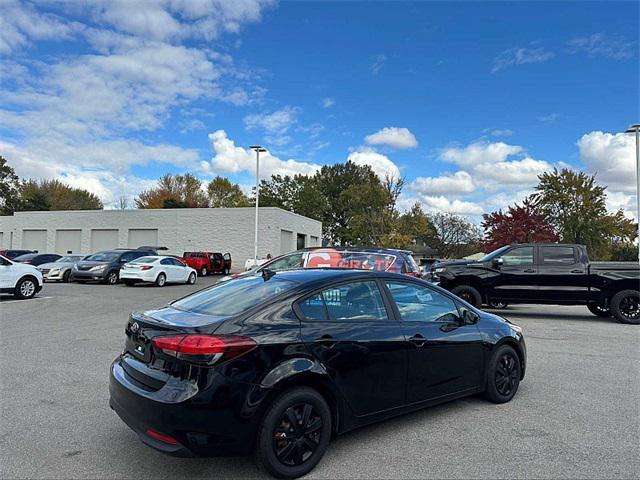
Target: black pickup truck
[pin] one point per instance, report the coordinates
(558, 274)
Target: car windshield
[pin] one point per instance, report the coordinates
(331, 258)
(144, 260)
(28, 256)
(495, 254)
(69, 259)
(192, 255)
(103, 257)
(232, 298)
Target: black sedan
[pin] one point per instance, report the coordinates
(36, 259)
(278, 363)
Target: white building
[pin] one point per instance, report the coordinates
(180, 229)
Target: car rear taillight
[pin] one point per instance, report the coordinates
(207, 349)
(161, 437)
(146, 267)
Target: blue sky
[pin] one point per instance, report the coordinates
(469, 102)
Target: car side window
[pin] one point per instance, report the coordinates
(357, 301)
(313, 308)
(421, 304)
(177, 262)
(557, 255)
(127, 257)
(166, 261)
(286, 263)
(518, 256)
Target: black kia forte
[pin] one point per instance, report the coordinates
(279, 363)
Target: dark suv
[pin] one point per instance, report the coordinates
(105, 266)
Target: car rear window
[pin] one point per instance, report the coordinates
(234, 297)
(103, 257)
(144, 260)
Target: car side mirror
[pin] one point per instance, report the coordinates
(470, 318)
(498, 262)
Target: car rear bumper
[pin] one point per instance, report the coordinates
(53, 277)
(137, 276)
(215, 421)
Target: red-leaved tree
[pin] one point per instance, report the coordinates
(519, 224)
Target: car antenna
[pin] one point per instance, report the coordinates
(267, 274)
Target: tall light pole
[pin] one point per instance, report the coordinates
(636, 129)
(258, 149)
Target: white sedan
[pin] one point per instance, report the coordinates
(157, 269)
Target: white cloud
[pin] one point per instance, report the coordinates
(20, 24)
(276, 122)
(612, 157)
(520, 56)
(601, 45)
(502, 133)
(552, 117)
(229, 158)
(378, 62)
(394, 137)
(379, 163)
(440, 203)
(457, 183)
(479, 152)
(328, 102)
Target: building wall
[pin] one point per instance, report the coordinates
(181, 229)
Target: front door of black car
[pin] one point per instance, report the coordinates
(349, 330)
(445, 355)
(516, 278)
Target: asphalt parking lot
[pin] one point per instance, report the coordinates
(577, 414)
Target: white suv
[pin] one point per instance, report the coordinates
(19, 279)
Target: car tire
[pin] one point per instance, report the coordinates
(26, 288)
(625, 307)
(298, 453)
(161, 280)
(65, 276)
(503, 375)
(204, 272)
(599, 310)
(112, 278)
(469, 294)
(192, 279)
(498, 304)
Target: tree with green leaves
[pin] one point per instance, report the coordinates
(576, 207)
(224, 194)
(9, 188)
(456, 236)
(174, 191)
(55, 195)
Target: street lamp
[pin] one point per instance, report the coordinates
(258, 149)
(636, 129)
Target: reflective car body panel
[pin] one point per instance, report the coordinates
(366, 368)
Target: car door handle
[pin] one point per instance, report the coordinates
(418, 340)
(327, 341)
(577, 271)
(529, 270)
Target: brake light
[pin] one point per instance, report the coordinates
(146, 267)
(206, 349)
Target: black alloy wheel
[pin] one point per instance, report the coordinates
(469, 294)
(295, 433)
(507, 374)
(599, 310)
(498, 304)
(625, 306)
(503, 375)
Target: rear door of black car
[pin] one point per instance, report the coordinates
(445, 355)
(562, 276)
(349, 329)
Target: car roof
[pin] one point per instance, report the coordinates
(311, 275)
(357, 249)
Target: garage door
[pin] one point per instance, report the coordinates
(286, 241)
(68, 241)
(139, 237)
(103, 239)
(34, 240)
